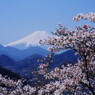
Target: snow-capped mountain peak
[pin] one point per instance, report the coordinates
(31, 40)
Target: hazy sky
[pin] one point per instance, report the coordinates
(19, 18)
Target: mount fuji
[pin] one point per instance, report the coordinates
(30, 40)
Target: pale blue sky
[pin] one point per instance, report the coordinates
(19, 18)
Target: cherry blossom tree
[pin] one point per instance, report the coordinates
(77, 79)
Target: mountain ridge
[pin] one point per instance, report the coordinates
(26, 65)
(21, 54)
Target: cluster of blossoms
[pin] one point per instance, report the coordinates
(90, 16)
(83, 38)
(8, 82)
(70, 79)
(44, 67)
(11, 87)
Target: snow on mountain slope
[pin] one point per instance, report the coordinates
(31, 40)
